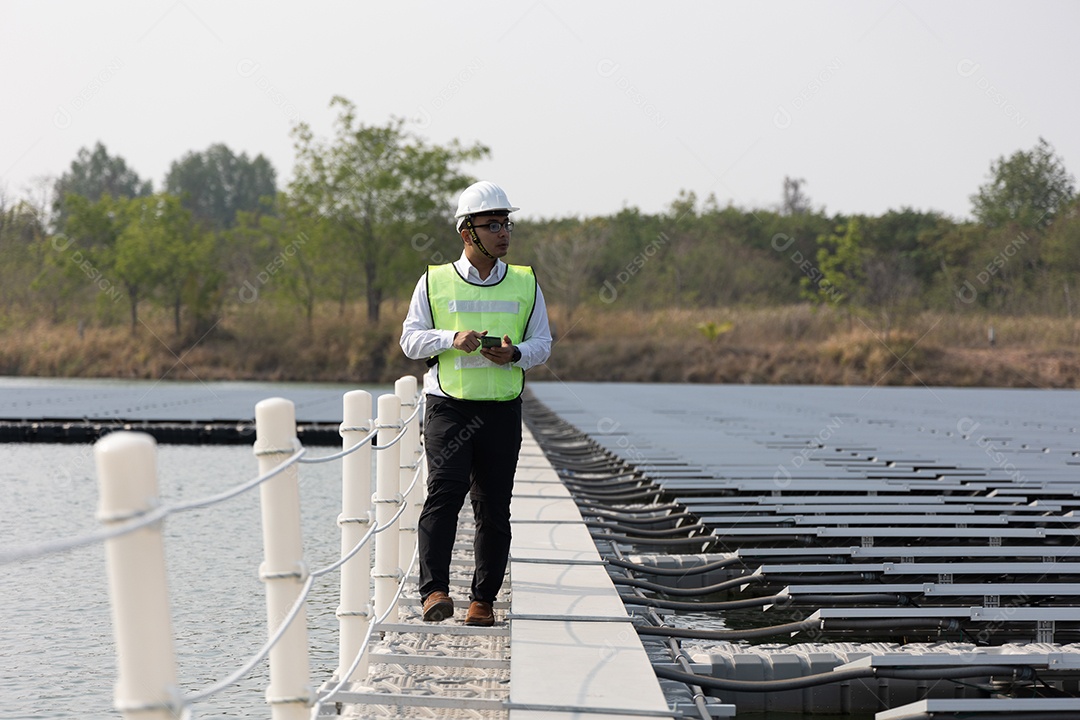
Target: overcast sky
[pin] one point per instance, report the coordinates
(587, 106)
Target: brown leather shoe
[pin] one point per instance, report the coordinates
(438, 606)
(480, 613)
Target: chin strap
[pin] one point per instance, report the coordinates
(476, 239)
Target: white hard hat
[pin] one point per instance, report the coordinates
(481, 197)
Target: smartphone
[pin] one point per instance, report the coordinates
(490, 342)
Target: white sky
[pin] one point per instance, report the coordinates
(587, 106)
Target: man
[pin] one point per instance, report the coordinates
(481, 324)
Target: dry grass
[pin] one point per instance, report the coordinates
(794, 323)
(782, 345)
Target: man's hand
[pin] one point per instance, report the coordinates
(468, 340)
(500, 355)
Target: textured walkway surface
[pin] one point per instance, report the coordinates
(562, 645)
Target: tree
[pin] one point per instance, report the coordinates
(290, 255)
(85, 252)
(135, 257)
(375, 185)
(161, 249)
(1028, 188)
(21, 234)
(795, 200)
(216, 184)
(1061, 252)
(840, 274)
(94, 174)
(565, 256)
(891, 286)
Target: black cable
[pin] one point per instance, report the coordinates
(652, 508)
(679, 572)
(682, 530)
(606, 479)
(634, 520)
(760, 632)
(703, 606)
(763, 685)
(576, 472)
(798, 578)
(588, 461)
(938, 673)
(706, 540)
(605, 492)
(793, 627)
(618, 497)
(782, 600)
(689, 592)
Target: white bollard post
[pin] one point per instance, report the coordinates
(127, 480)
(387, 469)
(354, 613)
(283, 569)
(405, 390)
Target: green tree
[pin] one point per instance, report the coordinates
(840, 275)
(85, 252)
(1027, 188)
(1061, 252)
(135, 258)
(162, 252)
(903, 237)
(94, 174)
(216, 184)
(375, 185)
(291, 256)
(21, 232)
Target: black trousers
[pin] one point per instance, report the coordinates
(472, 448)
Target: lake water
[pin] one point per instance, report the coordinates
(57, 657)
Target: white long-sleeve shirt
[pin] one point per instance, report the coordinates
(421, 340)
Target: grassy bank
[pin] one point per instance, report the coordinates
(789, 345)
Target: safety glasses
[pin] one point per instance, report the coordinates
(494, 227)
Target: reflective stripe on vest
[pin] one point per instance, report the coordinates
(502, 309)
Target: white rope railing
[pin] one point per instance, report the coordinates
(338, 455)
(301, 599)
(139, 521)
(330, 694)
(404, 425)
(126, 462)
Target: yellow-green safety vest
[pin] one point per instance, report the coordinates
(502, 309)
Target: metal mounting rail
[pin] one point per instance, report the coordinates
(1008, 708)
(443, 702)
(441, 661)
(443, 629)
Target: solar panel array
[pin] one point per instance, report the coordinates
(901, 516)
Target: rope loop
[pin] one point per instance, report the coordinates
(258, 451)
(300, 572)
(396, 425)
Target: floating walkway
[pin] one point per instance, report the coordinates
(563, 645)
